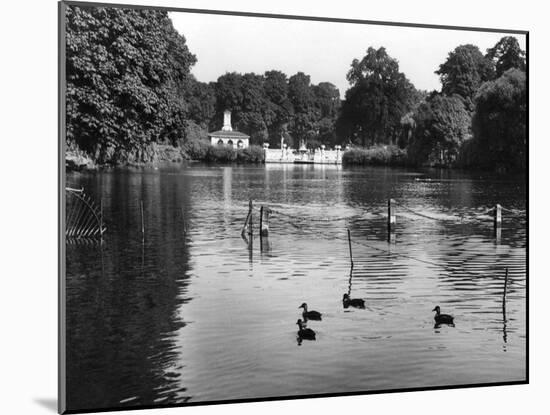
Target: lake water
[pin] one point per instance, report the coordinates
(194, 313)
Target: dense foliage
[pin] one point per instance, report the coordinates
(379, 155)
(131, 98)
(379, 97)
(270, 106)
(507, 54)
(500, 124)
(479, 119)
(252, 154)
(465, 69)
(441, 126)
(127, 74)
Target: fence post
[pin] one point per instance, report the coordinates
(261, 219)
(497, 221)
(264, 221)
(350, 253)
(391, 218)
(497, 216)
(250, 225)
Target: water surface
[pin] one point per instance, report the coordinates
(195, 313)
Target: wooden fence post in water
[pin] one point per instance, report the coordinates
(250, 225)
(248, 220)
(391, 219)
(350, 253)
(264, 221)
(261, 219)
(497, 216)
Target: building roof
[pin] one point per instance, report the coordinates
(228, 134)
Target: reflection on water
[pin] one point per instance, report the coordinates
(199, 313)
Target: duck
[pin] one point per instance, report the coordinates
(442, 318)
(304, 333)
(310, 315)
(354, 302)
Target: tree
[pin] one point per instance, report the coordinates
(327, 99)
(278, 108)
(507, 54)
(464, 71)
(300, 94)
(125, 72)
(251, 120)
(500, 123)
(202, 103)
(441, 125)
(379, 96)
(229, 93)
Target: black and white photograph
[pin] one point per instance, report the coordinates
(262, 206)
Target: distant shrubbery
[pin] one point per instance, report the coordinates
(252, 154)
(119, 112)
(196, 149)
(376, 156)
(222, 154)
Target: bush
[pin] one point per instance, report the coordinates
(196, 149)
(376, 156)
(252, 154)
(222, 154)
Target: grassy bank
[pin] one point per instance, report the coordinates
(202, 151)
(197, 150)
(375, 156)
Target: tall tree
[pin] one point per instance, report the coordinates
(500, 122)
(300, 93)
(229, 92)
(441, 125)
(278, 109)
(202, 103)
(327, 103)
(251, 120)
(125, 70)
(464, 71)
(379, 96)
(327, 99)
(507, 54)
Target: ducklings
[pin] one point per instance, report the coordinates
(310, 315)
(353, 302)
(304, 333)
(442, 318)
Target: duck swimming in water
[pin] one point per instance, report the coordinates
(310, 315)
(442, 318)
(354, 302)
(304, 333)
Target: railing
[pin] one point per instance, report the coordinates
(287, 155)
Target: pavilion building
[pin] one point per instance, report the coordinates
(227, 137)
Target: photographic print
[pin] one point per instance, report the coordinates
(260, 207)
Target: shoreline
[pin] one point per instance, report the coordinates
(376, 156)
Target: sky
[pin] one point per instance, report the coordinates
(320, 49)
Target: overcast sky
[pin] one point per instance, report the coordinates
(320, 49)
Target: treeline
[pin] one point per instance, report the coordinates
(128, 82)
(267, 107)
(479, 119)
(129, 89)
